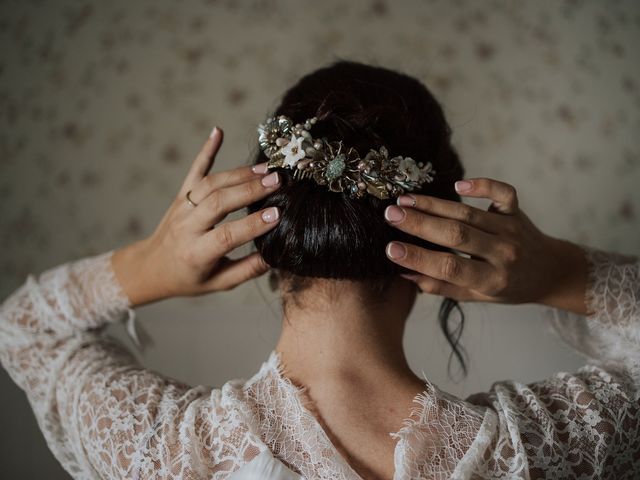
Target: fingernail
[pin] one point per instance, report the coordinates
(213, 132)
(396, 250)
(260, 168)
(270, 180)
(410, 276)
(394, 214)
(270, 215)
(406, 200)
(463, 186)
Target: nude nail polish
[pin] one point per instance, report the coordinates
(260, 168)
(270, 215)
(270, 180)
(462, 186)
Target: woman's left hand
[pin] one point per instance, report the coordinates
(187, 253)
(511, 260)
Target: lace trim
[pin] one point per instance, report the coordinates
(278, 407)
(440, 431)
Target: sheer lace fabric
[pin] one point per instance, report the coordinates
(104, 416)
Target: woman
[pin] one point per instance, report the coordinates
(336, 397)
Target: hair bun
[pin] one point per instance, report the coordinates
(327, 234)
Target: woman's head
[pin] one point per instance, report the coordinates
(328, 234)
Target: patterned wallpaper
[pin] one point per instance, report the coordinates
(104, 104)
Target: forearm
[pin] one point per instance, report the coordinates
(85, 390)
(568, 279)
(53, 313)
(129, 265)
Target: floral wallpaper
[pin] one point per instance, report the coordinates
(103, 105)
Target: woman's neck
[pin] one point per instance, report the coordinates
(348, 355)
(332, 335)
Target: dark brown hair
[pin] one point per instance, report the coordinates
(329, 235)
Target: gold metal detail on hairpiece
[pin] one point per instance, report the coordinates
(339, 168)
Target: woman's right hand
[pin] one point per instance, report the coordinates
(511, 260)
(186, 254)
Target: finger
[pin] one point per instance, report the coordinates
(224, 238)
(487, 221)
(203, 161)
(209, 183)
(443, 231)
(232, 273)
(223, 201)
(460, 271)
(445, 289)
(503, 195)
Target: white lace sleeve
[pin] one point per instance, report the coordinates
(610, 334)
(584, 424)
(102, 414)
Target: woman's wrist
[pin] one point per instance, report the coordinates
(568, 272)
(131, 267)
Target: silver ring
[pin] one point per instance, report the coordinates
(191, 201)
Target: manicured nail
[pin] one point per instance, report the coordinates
(213, 132)
(271, 214)
(260, 168)
(396, 250)
(271, 179)
(463, 186)
(410, 276)
(406, 200)
(394, 214)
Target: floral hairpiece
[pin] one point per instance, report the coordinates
(330, 163)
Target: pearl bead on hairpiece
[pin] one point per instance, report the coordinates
(340, 169)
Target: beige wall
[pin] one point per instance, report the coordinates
(104, 104)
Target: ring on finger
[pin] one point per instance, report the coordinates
(191, 202)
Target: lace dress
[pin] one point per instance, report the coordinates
(104, 416)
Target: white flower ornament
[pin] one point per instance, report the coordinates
(293, 151)
(413, 171)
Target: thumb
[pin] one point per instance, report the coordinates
(440, 287)
(231, 273)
